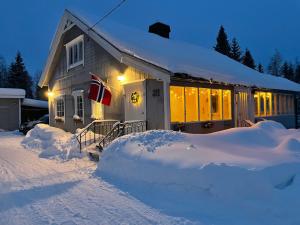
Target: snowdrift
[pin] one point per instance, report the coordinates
(237, 176)
(51, 142)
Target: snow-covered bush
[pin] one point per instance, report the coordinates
(51, 142)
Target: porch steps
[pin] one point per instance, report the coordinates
(119, 129)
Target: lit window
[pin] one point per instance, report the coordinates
(262, 103)
(227, 105)
(216, 104)
(177, 103)
(191, 104)
(78, 104)
(256, 104)
(269, 104)
(205, 104)
(60, 107)
(75, 52)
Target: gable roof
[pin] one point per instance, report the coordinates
(169, 55)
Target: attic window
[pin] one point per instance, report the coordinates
(75, 52)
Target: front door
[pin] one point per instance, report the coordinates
(243, 107)
(135, 101)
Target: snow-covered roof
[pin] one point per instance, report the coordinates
(181, 57)
(35, 103)
(12, 93)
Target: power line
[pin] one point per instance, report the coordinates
(108, 13)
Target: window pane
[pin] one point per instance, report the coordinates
(75, 53)
(269, 104)
(80, 51)
(177, 103)
(79, 106)
(70, 56)
(262, 102)
(256, 103)
(205, 104)
(227, 105)
(191, 104)
(216, 104)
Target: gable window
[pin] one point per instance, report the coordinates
(60, 108)
(75, 52)
(78, 105)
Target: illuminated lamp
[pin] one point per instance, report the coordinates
(121, 78)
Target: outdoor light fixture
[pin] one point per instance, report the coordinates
(121, 78)
(49, 94)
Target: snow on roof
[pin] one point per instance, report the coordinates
(35, 103)
(181, 57)
(12, 93)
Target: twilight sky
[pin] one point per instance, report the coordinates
(260, 25)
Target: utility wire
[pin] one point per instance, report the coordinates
(108, 13)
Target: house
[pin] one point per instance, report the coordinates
(10, 108)
(169, 84)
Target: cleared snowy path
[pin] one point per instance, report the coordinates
(41, 191)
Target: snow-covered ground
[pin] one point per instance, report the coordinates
(238, 176)
(37, 191)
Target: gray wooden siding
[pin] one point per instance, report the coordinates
(9, 114)
(97, 61)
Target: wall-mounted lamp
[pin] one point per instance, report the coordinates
(121, 78)
(49, 94)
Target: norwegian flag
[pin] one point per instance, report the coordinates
(98, 91)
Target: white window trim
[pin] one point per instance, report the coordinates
(75, 94)
(62, 97)
(71, 44)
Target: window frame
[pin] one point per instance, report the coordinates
(221, 98)
(76, 94)
(70, 49)
(59, 117)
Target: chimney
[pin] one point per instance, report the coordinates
(160, 29)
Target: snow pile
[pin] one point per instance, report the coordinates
(51, 142)
(241, 174)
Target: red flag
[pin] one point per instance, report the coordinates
(98, 91)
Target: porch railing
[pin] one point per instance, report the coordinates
(94, 132)
(119, 129)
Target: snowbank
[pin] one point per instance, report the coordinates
(237, 176)
(51, 142)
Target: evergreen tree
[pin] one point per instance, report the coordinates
(248, 60)
(260, 68)
(291, 72)
(222, 45)
(3, 73)
(235, 52)
(297, 73)
(284, 70)
(18, 76)
(275, 64)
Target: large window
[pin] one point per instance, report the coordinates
(75, 52)
(177, 104)
(226, 104)
(191, 104)
(191, 99)
(205, 104)
(272, 104)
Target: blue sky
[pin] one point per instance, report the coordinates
(260, 25)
